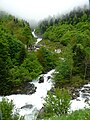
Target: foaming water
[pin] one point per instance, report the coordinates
(35, 100)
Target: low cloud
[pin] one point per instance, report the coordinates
(39, 9)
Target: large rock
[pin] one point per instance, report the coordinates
(74, 92)
(48, 77)
(41, 79)
(29, 88)
(26, 88)
(28, 106)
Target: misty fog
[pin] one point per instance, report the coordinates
(35, 10)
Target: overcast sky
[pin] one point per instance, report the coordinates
(39, 9)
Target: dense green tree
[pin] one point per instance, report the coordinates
(46, 59)
(27, 36)
(32, 64)
(54, 33)
(64, 68)
(87, 63)
(73, 17)
(22, 55)
(18, 28)
(17, 65)
(79, 57)
(5, 63)
(27, 71)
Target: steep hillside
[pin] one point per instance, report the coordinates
(17, 65)
(69, 38)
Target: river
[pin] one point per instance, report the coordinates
(29, 105)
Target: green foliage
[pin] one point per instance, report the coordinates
(79, 58)
(22, 55)
(46, 59)
(27, 71)
(5, 64)
(64, 67)
(76, 81)
(54, 33)
(72, 29)
(76, 115)
(6, 110)
(68, 34)
(17, 65)
(18, 28)
(10, 49)
(32, 64)
(27, 36)
(57, 103)
(73, 18)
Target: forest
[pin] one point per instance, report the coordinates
(65, 47)
(69, 37)
(70, 33)
(15, 38)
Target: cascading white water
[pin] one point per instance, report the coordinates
(38, 39)
(33, 33)
(33, 102)
(29, 105)
(83, 99)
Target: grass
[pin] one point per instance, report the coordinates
(76, 115)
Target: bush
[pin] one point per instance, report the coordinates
(56, 104)
(46, 59)
(6, 110)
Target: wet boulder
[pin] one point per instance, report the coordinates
(48, 77)
(29, 88)
(74, 92)
(28, 106)
(41, 79)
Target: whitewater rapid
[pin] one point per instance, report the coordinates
(35, 100)
(38, 39)
(83, 99)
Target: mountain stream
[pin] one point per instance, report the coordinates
(29, 105)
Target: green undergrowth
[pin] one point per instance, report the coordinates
(77, 115)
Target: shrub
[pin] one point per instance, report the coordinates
(6, 110)
(57, 103)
